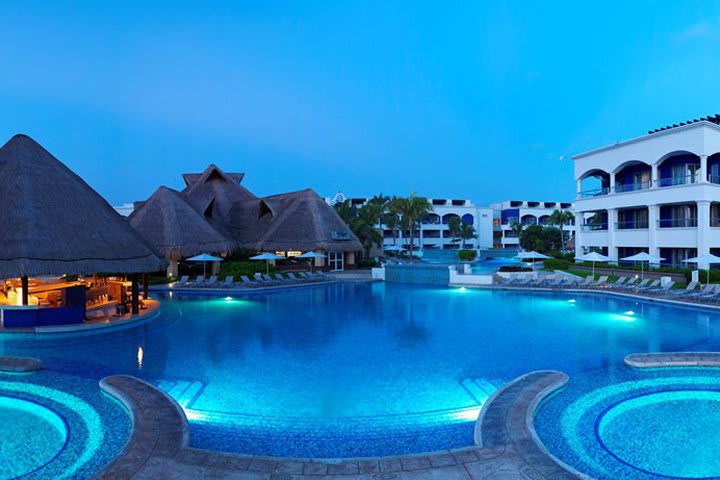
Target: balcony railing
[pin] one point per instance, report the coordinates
(677, 223)
(594, 227)
(631, 225)
(631, 187)
(715, 222)
(687, 179)
(595, 192)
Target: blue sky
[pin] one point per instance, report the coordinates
(464, 99)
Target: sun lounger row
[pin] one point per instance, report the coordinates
(707, 294)
(258, 280)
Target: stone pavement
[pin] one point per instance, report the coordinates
(508, 447)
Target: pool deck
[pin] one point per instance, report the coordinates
(507, 448)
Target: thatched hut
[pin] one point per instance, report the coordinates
(53, 223)
(170, 224)
(215, 194)
(300, 221)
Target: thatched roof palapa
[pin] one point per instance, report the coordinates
(299, 220)
(53, 223)
(171, 225)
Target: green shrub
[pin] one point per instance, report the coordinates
(368, 263)
(556, 264)
(160, 280)
(467, 255)
(237, 269)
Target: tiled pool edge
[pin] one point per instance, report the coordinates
(158, 445)
(673, 359)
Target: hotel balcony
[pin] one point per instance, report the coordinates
(678, 223)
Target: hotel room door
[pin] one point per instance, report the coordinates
(336, 261)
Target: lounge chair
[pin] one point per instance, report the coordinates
(662, 289)
(246, 282)
(297, 278)
(557, 282)
(641, 285)
(211, 282)
(586, 282)
(520, 278)
(506, 280)
(709, 295)
(600, 282)
(184, 281)
(691, 288)
(198, 282)
(619, 282)
(707, 290)
(229, 282)
(655, 284)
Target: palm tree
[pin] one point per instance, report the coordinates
(412, 209)
(466, 233)
(517, 228)
(346, 211)
(561, 218)
(455, 228)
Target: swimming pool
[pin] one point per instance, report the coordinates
(57, 426)
(361, 369)
(637, 424)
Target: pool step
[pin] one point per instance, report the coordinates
(185, 392)
(480, 389)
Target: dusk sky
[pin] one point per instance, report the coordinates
(466, 100)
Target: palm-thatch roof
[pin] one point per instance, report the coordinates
(53, 223)
(171, 225)
(214, 194)
(299, 220)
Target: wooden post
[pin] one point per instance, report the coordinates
(135, 302)
(146, 286)
(24, 286)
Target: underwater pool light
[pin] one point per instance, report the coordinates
(462, 289)
(572, 300)
(228, 299)
(629, 312)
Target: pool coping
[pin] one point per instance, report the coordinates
(241, 290)
(604, 291)
(673, 359)
(158, 444)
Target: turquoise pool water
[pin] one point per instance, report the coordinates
(57, 426)
(359, 369)
(637, 424)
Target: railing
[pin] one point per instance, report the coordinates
(631, 225)
(677, 222)
(715, 222)
(687, 179)
(631, 187)
(594, 227)
(595, 192)
(713, 179)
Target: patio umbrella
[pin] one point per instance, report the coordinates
(204, 257)
(643, 257)
(531, 255)
(708, 258)
(267, 257)
(593, 257)
(312, 256)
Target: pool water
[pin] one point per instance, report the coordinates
(637, 424)
(57, 426)
(361, 369)
(32, 435)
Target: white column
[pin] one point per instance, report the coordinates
(703, 169)
(579, 188)
(612, 220)
(703, 229)
(612, 183)
(653, 216)
(654, 178)
(578, 233)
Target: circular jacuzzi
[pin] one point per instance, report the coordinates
(32, 436)
(649, 425)
(671, 433)
(57, 426)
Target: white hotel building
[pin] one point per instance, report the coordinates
(434, 231)
(526, 213)
(659, 193)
